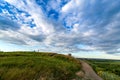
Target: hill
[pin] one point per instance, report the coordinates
(37, 66)
(106, 69)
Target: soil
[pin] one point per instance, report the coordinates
(87, 72)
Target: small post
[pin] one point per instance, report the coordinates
(69, 54)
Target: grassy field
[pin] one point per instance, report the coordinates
(107, 69)
(37, 66)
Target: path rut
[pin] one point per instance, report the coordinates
(89, 73)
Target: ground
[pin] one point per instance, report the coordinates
(87, 72)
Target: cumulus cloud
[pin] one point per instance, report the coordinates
(63, 25)
(95, 22)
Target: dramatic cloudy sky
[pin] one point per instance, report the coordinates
(85, 28)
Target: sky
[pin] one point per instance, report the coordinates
(84, 28)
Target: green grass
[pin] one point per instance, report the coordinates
(37, 66)
(107, 69)
(108, 76)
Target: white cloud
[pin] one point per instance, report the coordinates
(89, 33)
(36, 13)
(92, 22)
(16, 38)
(73, 5)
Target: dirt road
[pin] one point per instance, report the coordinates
(89, 72)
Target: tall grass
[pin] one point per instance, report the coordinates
(107, 69)
(37, 66)
(108, 76)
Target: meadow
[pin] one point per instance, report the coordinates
(107, 69)
(37, 66)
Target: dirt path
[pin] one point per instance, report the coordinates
(89, 73)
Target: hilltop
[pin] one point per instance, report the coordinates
(37, 66)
